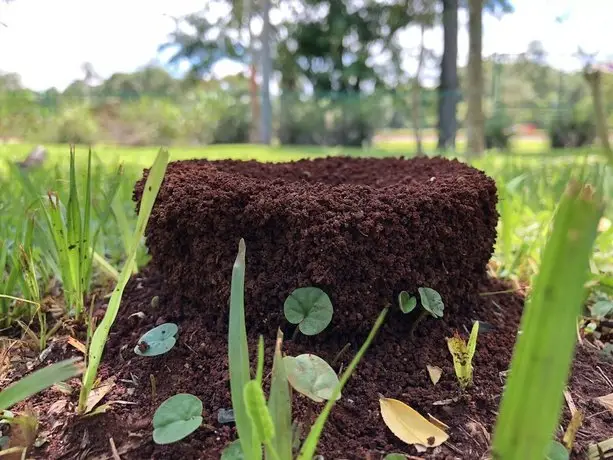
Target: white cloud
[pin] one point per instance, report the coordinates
(46, 42)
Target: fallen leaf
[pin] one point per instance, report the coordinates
(408, 425)
(98, 393)
(571, 431)
(57, 407)
(607, 401)
(78, 345)
(435, 373)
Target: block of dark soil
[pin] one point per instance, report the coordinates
(361, 229)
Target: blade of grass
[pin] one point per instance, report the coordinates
(238, 358)
(280, 406)
(39, 380)
(74, 235)
(150, 192)
(310, 444)
(532, 401)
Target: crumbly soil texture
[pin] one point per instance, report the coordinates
(362, 230)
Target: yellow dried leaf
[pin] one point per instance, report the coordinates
(78, 345)
(408, 425)
(607, 401)
(571, 431)
(98, 393)
(435, 373)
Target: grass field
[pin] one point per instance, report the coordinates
(530, 184)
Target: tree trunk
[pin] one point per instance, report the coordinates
(593, 79)
(266, 121)
(475, 121)
(416, 93)
(448, 87)
(253, 86)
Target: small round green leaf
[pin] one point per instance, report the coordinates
(557, 452)
(395, 457)
(310, 308)
(157, 341)
(407, 302)
(312, 376)
(177, 417)
(602, 308)
(431, 301)
(233, 451)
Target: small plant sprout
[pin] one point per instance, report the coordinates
(157, 341)
(310, 308)
(463, 355)
(406, 302)
(177, 417)
(431, 301)
(312, 376)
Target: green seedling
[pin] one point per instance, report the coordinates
(310, 308)
(177, 417)
(431, 301)
(407, 302)
(463, 355)
(38, 381)
(157, 341)
(312, 376)
(100, 335)
(251, 416)
(532, 400)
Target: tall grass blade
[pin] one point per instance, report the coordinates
(532, 401)
(310, 444)
(73, 239)
(39, 380)
(238, 358)
(280, 406)
(150, 191)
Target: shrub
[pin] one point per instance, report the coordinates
(498, 131)
(76, 125)
(571, 130)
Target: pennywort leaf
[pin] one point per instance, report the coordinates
(407, 302)
(177, 417)
(310, 308)
(157, 341)
(312, 376)
(431, 301)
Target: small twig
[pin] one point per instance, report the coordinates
(153, 386)
(114, 450)
(604, 376)
(339, 354)
(571, 404)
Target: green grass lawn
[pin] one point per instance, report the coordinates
(529, 189)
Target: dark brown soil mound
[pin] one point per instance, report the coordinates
(394, 366)
(361, 229)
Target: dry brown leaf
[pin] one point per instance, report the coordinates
(408, 425)
(78, 345)
(435, 373)
(98, 393)
(607, 401)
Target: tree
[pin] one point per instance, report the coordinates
(448, 86)
(475, 120)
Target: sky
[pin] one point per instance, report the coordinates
(47, 41)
